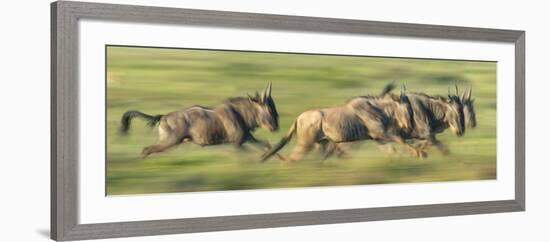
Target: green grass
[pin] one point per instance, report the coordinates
(157, 81)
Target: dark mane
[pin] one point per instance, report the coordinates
(243, 110)
(232, 101)
(236, 100)
(437, 97)
(454, 98)
(393, 97)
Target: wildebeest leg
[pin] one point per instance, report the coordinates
(418, 152)
(329, 147)
(167, 139)
(385, 147)
(263, 145)
(342, 148)
(299, 151)
(440, 146)
(159, 147)
(341, 152)
(241, 147)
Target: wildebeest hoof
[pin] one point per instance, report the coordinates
(422, 154)
(145, 152)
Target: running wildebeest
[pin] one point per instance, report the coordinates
(430, 115)
(233, 121)
(434, 114)
(366, 117)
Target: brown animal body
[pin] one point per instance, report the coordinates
(232, 121)
(360, 118)
(434, 114)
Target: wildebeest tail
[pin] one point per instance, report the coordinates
(281, 143)
(127, 117)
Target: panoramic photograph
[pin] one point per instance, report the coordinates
(197, 120)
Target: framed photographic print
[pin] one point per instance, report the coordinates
(170, 120)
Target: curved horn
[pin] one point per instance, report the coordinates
(456, 89)
(268, 90)
(264, 95)
(469, 93)
(403, 89)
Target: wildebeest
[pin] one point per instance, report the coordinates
(232, 121)
(378, 118)
(434, 114)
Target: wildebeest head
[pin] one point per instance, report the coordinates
(454, 113)
(267, 116)
(469, 112)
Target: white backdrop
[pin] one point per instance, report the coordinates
(25, 119)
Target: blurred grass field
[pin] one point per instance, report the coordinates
(157, 81)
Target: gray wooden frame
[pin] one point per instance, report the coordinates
(64, 115)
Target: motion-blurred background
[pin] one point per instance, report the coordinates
(157, 81)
